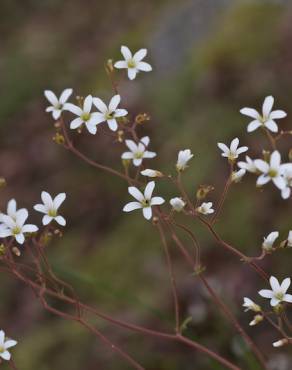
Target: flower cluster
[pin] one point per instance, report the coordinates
(13, 222)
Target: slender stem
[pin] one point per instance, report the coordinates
(172, 278)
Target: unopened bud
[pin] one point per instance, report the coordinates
(257, 319)
(59, 139)
(280, 342)
(120, 134)
(155, 220)
(16, 251)
(266, 155)
(109, 66)
(126, 163)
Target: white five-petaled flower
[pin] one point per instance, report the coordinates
(233, 152)
(14, 226)
(177, 204)
(133, 63)
(84, 115)
(250, 305)
(50, 208)
(183, 158)
(58, 105)
(248, 165)
(109, 113)
(11, 209)
(236, 176)
(151, 173)
(278, 293)
(5, 344)
(265, 119)
(144, 201)
(138, 151)
(271, 171)
(270, 240)
(205, 208)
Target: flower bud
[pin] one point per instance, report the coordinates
(16, 251)
(257, 319)
(59, 139)
(2, 182)
(177, 204)
(151, 173)
(280, 342)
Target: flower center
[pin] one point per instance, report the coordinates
(138, 155)
(85, 116)
(16, 230)
(52, 213)
(145, 203)
(273, 173)
(131, 63)
(59, 106)
(110, 115)
(279, 296)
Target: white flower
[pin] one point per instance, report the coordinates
(144, 201)
(233, 152)
(250, 305)
(289, 239)
(84, 115)
(236, 176)
(134, 62)
(50, 208)
(278, 292)
(286, 170)
(257, 319)
(281, 342)
(58, 105)
(138, 151)
(182, 160)
(271, 171)
(248, 165)
(177, 204)
(205, 208)
(109, 113)
(270, 240)
(5, 344)
(14, 226)
(151, 173)
(265, 119)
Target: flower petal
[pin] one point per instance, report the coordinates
(277, 114)
(29, 228)
(268, 105)
(20, 238)
(266, 293)
(5, 355)
(132, 206)
(147, 212)
(47, 199)
(271, 125)
(77, 122)
(132, 72)
(21, 216)
(40, 208)
(262, 180)
(250, 112)
(115, 101)
(10, 343)
(139, 55)
(112, 124)
(11, 207)
(287, 298)
(65, 95)
(285, 284)
(136, 193)
(274, 283)
(126, 52)
(121, 112)
(261, 165)
(145, 67)
(253, 125)
(234, 144)
(275, 159)
(73, 109)
(46, 220)
(149, 189)
(121, 64)
(51, 97)
(60, 220)
(156, 201)
(59, 199)
(100, 105)
(87, 104)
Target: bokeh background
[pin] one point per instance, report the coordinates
(210, 58)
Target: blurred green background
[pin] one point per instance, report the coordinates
(210, 58)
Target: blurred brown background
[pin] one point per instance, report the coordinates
(210, 58)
